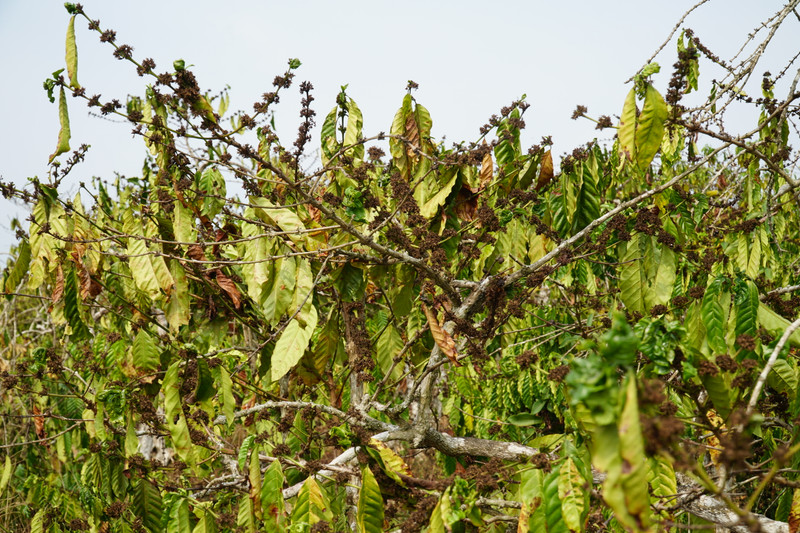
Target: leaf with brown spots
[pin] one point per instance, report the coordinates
(546, 171)
(794, 512)
(443, 339)
(227, 285)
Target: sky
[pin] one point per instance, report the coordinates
(469, 58)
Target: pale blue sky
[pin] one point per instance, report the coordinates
(470, 59)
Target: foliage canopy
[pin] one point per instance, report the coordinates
(447, 339)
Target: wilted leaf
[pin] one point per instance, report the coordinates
(546, 171)
(64, 135)
(72, 55)
(466, 203)
(487, 169)
(230, 288)
(443, 339)
(38, 422)
(370, 504)
(58, 288)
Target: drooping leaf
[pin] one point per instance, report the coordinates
(627, 127)
(144, 357)
(64, 134)
(176, 421)
(13, 277)
(369, 515)
(794, 513)
(146, 504)
(650, 127)
(570, 492)
(546, 171)
(392, 464)
(226, 391)
(712, 314)
(72, 55)
(442, 338)
(293, 343)
(272, 501)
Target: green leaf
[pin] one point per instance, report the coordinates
(286, 219)
(282, 289)
(524, 419)
(37, 522)
(173, 410)
(353, 131)
(661, 477)
(207, 523)
(64, 134)
(145, 355)
(310, 506)
(631, 446)
(244, 450)
(783, 377)
(72, 55)
(246, 519)
(328, 136)
(139, 260)
(6, 474)
(713, 317)
(212, 184)
(226, 390)
(272, 497)
(146, 504)
(183, 223)
(437, 199)
(627, 127)
(14, 275)
(650, 128)
(632, 280)
(178, 521)
(178, 310)
(390, 462)
(293, 343)
(72, 307)
(719, 392)
(571, 493)
(370, 504)
(387, 348)
(775, 324)
(553, 516)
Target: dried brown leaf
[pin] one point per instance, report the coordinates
(443, 339)
(196, 253)
(545, 171)
(412, 135)
(227, 285)
(487, 169)
(466, 204)
(38, 422)
(58, 289)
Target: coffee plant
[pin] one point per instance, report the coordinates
(378, 332)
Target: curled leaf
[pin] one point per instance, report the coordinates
(546, 171)
(487, 169)
(72, 55)
(442, 338)
(227, 285)
(64, 134)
